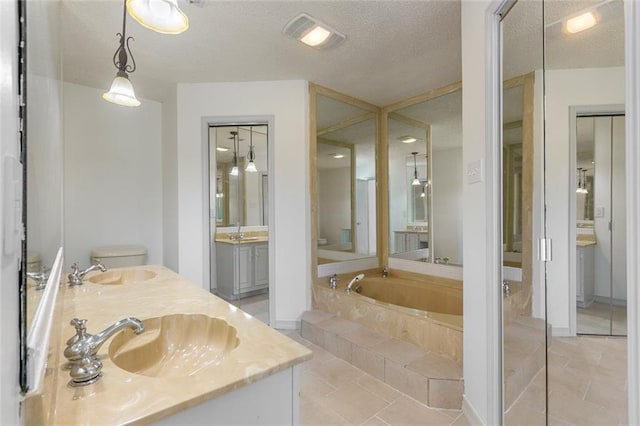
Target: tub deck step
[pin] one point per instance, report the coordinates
(428, 377)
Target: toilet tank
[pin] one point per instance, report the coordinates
(119, 256)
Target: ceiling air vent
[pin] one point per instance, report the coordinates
(312, 32)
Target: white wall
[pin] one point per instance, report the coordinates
(447, 204)
(170, 181)
(112, 174)
(334, 212)
(9, 355)
(565, 88)
(287, 101)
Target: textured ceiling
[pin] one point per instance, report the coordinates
(394, 49)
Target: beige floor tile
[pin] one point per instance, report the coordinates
(461, 420)
(314, 414)
(375, 421)
(520, 415)
(611, 397)
(354, 403)
(435, 366)
(533, 397)
(379, 388)
(406, 411)
(337, 371)
(399, 352)
(445, 393)
(409, 382)
(575, 410)
(365, 337)
(312, 385)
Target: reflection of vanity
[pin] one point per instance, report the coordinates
(410, 240)
(242, 267)
(585, 272)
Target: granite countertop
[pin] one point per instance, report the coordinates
(121, 397)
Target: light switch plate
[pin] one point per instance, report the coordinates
(474, 172)
(598, 212)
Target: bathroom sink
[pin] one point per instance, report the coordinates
(123, 277)
(174, 345)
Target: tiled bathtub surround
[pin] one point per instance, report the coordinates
(429, 378)
(432, 330)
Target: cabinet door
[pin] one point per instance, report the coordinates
(245, 267)
(261, 265)
(399, 240)
(225, 270)
(413, 241)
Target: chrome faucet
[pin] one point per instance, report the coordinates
(506, 289)
(238, 235)
(82, 348)
(333, 281)
(353, 281)
(40, 277)
(76, 276)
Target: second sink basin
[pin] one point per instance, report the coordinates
(174, 345)
(123, 277)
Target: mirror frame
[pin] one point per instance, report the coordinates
(380, 168)
(389, 111)
(526, 81)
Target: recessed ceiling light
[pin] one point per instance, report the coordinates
(580, 23)
(312, 32)
(338, 156)
(407, 139)
(222, 149)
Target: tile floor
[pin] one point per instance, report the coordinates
(256, 306)
(596, 319)
(334, 392)
(587, 385)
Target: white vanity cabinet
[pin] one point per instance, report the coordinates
(410, 240)
(585, 275)
(241, 268)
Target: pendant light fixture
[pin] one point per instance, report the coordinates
(584, 182)
(251, 167)
(416, 181)
(121, 91)
(579, 188)
(236, 141)
(162, 16)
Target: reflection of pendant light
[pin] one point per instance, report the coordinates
(251, 167)
(584, 182)
(423, 194)
(163, 16)
(121, 91)
(416, 181)
(579, 188)
(234, 169)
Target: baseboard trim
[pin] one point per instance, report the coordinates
(287, 324)
(561, 332)
(470, 413)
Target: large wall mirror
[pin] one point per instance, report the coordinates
(343, 160)
(424, 137)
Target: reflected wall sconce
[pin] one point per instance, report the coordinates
(236, 141)
(251, 167)
(162, 16)
(416, 181)
(121, 91)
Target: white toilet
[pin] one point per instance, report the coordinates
(119, 256)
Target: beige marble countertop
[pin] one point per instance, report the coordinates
(247, 240)
(585, 243)
(121, 397)
(407, 231)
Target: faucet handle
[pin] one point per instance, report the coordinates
(81, 330)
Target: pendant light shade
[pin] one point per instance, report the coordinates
(163, 16)
(121, 92)
(416, 181)
(251, 166)
(234, 171)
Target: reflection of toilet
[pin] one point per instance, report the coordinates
(119, 256)
(33, 261)
(322, 241)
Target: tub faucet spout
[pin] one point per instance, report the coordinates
(353, 281)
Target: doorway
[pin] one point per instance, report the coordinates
(600, 225)
(238, 157)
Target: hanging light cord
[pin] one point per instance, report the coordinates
(120, 57)
(415, 166)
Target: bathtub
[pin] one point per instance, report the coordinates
(424, 310)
